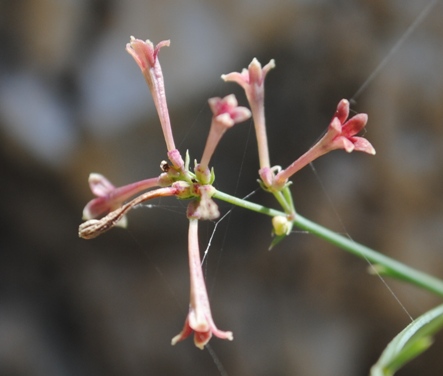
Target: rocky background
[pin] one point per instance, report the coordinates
(72, 101)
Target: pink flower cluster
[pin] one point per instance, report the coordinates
(111, 204)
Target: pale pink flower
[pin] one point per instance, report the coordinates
(109, 198)
(199, 319)
(225, 113)
(146, 56)
(341, 134)
(252, 81)
(95, 227)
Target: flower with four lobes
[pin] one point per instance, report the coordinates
(199, 319)
(111, 203)
(252, 80)
(146, 56)
(225, 113)
(110, 198)
(341, 134)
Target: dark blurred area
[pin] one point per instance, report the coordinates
(72, 101)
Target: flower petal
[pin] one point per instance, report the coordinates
(257, 74)
(185, 333)
(354, 125)
(240, 78)
(144, 52)
(95, 208)
(343, 143)
(100, 186)
(201, 339)
(342, 111)
(362, 144)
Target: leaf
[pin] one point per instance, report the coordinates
(277, 239)
(409, 343)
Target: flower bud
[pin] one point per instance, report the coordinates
(281, 225)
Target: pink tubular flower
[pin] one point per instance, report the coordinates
(199, 318)
(341, 134)
(110, 198)
(252, 81)
(226, 113)
(146, 56)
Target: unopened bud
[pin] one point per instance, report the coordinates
(281, 225)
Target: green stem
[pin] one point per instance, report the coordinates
(389, 266)
(381, 263)
(288, 195)
(282, 200)
(247, 204)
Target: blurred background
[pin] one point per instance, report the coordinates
(72, 101)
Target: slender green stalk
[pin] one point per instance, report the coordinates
(287, 194)
(283, 201)
(382, 264)
(247, 204)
